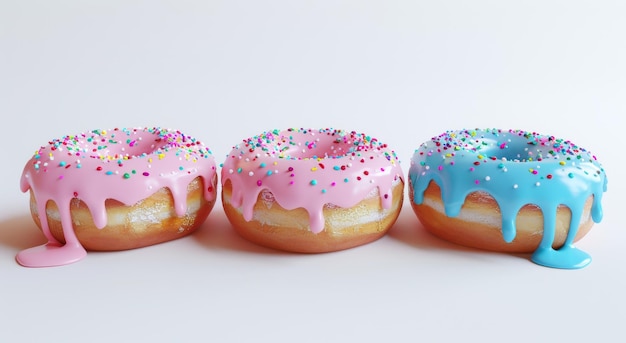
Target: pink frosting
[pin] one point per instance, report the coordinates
(310, 168)
(127, 165)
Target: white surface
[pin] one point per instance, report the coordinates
(225, 70)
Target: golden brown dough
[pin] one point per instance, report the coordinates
(479, 223)
(289, 229)
(150, 221)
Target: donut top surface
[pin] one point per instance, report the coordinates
(310, 168)
(516, 168)
(127, 165)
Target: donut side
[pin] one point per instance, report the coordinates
(150, 221)
(288, 230)
(478, 225)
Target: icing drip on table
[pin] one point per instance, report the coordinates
(516, 168)
(310, 169)
(127, 165)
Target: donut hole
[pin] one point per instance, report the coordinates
(519, 151)
(136, 143)
(320, 147)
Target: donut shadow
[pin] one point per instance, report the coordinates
(217, 233)
(410, 231)
(20, 233)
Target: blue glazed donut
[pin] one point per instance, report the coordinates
(514, 191)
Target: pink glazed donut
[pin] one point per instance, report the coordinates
(115, 190)
(312, 191)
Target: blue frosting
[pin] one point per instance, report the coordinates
(516, 168)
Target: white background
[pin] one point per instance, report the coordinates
(402, 71)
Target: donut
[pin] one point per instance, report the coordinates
(508, 191)
(118, 189)
(311, 190)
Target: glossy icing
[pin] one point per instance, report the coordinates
(310, 168)
(516, 168)
(127, 165)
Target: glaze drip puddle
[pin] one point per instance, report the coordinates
(51, 255)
